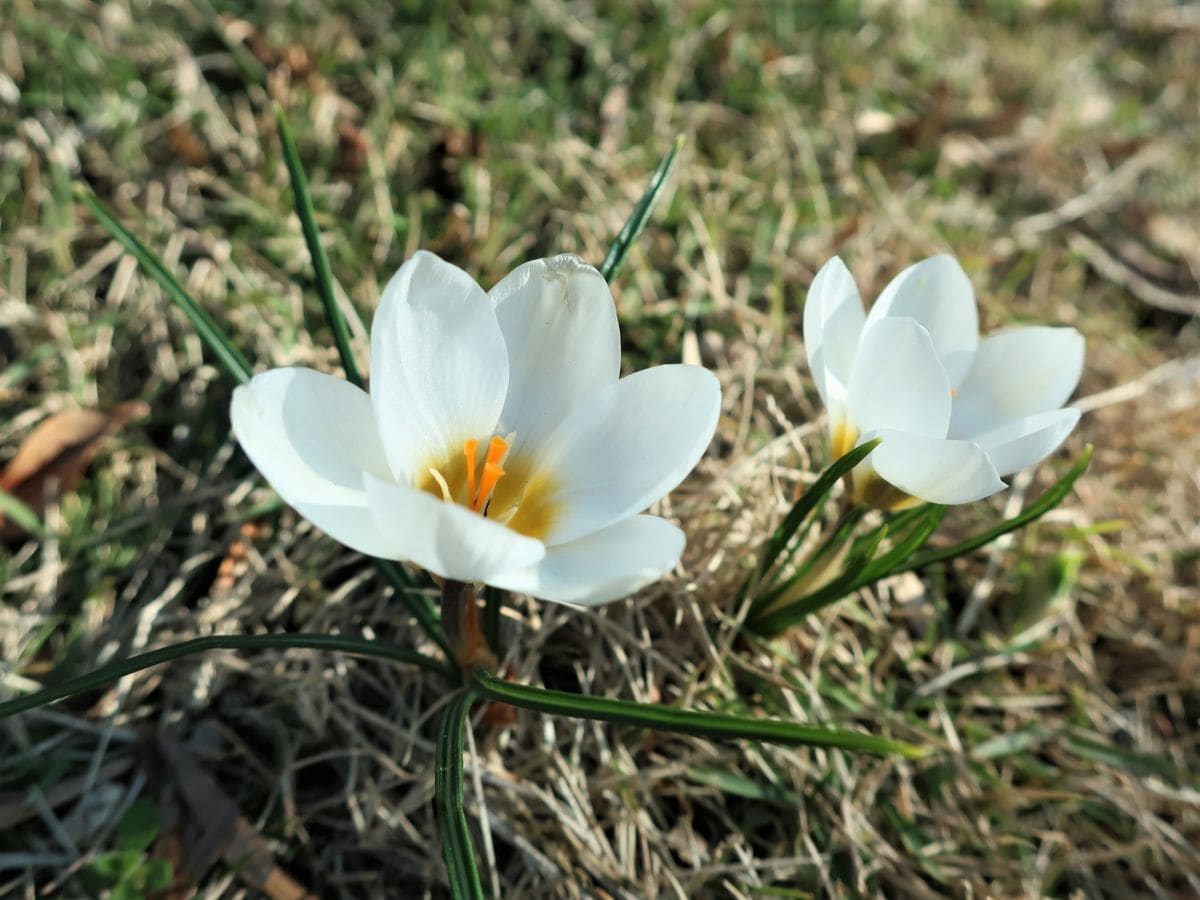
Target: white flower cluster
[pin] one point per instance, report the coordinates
(499, 444)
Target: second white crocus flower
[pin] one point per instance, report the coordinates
(956, 414)
(498, 443)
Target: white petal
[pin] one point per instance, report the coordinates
(833, 323)
(448, 540)
(439, 370)
(1028, 440)
(1017, 373)
(603, 566)
(313, 437)
(560, 327)
(627, 446)
(933, 469)
(897, 380)
(937, 293)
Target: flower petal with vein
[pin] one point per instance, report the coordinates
(956, 413)
(498, 442)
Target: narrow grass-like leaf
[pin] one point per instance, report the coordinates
(863, 552)
(240, 370)
(1012, 743)
(217, 341)
(896, 559)
(779, 892)
(316, 251)
(455, 834)
(1050, 499)
(420, 608)
(20, 514)
(641, 214)
(774, 621)
(830, 546)
(119, 669)
(789, 531)
(858, 575)
(810, 499)
(1089, 746)
(732, 782)
(701, 724)
(770, 621)
(894, 523)
(903, 557)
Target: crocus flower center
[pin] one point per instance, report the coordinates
(864, 484)
(502, 485)
(493, 470)
(845, 436)
(867, 487)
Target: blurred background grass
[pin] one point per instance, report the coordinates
(1051, 145)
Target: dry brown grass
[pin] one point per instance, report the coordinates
(1051, 146)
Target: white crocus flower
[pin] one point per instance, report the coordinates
(955, 413)
(498, 443)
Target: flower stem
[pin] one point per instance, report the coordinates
(460, 622)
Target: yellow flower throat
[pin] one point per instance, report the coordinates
(502, 486)
(864, 484)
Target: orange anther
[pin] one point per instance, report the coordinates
(497, 447)
(493, 471)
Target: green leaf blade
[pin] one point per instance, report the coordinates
(637, 220)
(823, 555)
(120, 668)
(21, 514)
(457, 848)
(228, 355)
(302, 198)
(896, 558)
(139, 826)
(791, 531)
(697, 723)
(852, 579)
(237, 367)
(1053, 496)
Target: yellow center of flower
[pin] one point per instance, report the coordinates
(502, 486)
(872, 490)
(864, 484)
(844, 437)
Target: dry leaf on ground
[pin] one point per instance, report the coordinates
(52, 459)
(217, 829)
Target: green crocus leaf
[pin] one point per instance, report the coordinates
(122, 667)
(615, 257)
(699, 723)
(316, 251)
(457, 848)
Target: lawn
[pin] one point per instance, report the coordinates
(1054, 676)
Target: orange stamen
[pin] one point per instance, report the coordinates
(493, 471)
(469, 447)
